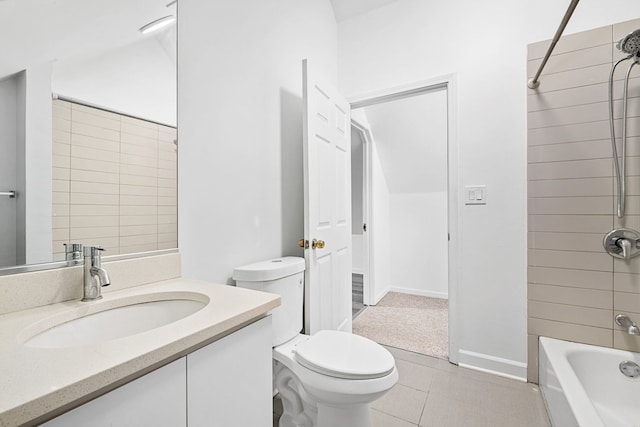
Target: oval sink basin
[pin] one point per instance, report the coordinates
(108, 322)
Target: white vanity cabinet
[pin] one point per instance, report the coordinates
(229, 381)
(226, 383)
(156, 399)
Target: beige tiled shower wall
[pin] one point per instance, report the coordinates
(114, 181)
(574, 287)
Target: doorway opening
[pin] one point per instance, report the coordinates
(404, 222)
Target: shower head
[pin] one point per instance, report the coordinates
(630, 44)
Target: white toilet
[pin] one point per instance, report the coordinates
(324, 380)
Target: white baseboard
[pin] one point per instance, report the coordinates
(410, 291)
(493, 365)
(381, 295)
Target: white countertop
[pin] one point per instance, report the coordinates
(37, 381)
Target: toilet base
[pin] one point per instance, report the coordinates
(324, 415)
(301, 410)
(297, 409)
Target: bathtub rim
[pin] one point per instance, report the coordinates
(556, 353)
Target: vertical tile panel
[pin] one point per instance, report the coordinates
(61, 158)
(167, 188)
(139, 157)
(114, 181)
(571, 194)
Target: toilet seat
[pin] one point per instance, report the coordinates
(327, 397)
(344, 355)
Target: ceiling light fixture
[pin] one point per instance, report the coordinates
(157, 24)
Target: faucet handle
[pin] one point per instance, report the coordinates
(72, 247)
(73, 252)
(93, 250)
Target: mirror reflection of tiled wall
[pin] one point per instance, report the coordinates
(114, 181)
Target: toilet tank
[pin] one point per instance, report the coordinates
(284, 277)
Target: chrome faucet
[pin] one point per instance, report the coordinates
(624, 321)
(73, 253)
(95, 277)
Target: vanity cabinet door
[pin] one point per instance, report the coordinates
(229, 381)
(156, 399)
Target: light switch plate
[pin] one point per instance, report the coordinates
(475, 195)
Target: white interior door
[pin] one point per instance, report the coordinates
(327, 205)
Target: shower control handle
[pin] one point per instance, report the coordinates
(625, 245)
(622, 243)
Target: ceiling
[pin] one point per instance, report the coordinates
(38, 31)
(33, 32)
(345, 9)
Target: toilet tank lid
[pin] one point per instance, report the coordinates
(269, 270)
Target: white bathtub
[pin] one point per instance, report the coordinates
(583, 386)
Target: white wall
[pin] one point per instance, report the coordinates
(34, 141)
(137, 79)
(419, 243)
(543, 16)
(8, 123)
(380, 229)
(411, 139)
(357, 205)
(240, 127)
(484, 45)
(357, 181)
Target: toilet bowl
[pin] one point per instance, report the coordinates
(325, 380)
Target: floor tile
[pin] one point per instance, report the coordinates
(380, 419)
(277, 410)
(434, 392)
(402, 402)
(417, 358)
(460, 399)
(414, 375)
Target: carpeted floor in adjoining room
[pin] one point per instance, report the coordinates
(408, 322)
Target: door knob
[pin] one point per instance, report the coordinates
(303, 243)
(317, 244)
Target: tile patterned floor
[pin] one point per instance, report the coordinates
(432, 392)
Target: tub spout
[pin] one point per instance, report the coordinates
(624, 321)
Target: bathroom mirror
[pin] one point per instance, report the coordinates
(87, 129)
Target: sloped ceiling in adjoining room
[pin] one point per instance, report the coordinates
(345, 9)
(411, 138)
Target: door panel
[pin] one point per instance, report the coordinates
(327, 176)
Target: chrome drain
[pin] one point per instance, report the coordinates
(630, 369)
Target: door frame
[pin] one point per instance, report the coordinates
(448, 82)
(368, 297)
